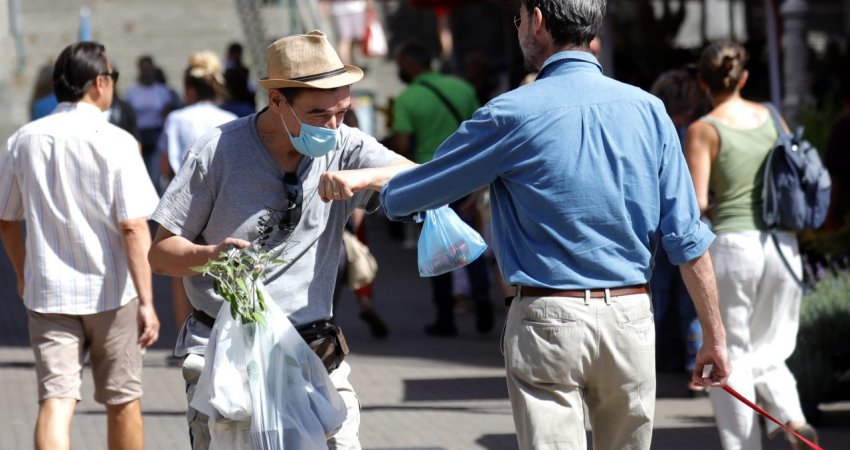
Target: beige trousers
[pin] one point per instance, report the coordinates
(563, 353)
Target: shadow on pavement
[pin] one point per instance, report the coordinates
(448, 389)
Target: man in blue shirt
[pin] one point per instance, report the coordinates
(587, 178)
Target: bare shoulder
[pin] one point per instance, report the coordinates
(703, 133)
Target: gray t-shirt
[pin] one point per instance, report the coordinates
(229, 186)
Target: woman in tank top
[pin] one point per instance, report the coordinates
(759, 301)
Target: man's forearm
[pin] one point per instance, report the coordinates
(380, 175)
(176, 256)
(698, 276)
(12, 234)
(136, 237)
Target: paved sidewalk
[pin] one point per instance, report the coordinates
(416, 392)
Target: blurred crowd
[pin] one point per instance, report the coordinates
(446, 80)
(441, 47)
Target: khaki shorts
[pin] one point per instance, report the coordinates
(60, 342)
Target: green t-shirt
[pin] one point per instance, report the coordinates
(420, 112)
(737, 176)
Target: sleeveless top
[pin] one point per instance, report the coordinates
(737, 176)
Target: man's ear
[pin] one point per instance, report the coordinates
(100, 85)
(276, 99)
(537, 23)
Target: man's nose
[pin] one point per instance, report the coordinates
(332, 123)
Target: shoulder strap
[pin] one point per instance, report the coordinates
(771, 207)
(787, 264)
(443, 98)
(774, 116)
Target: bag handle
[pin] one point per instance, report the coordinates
(443, 98)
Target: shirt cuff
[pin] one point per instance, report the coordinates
(687, 247)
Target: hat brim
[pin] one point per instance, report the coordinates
(351, 75)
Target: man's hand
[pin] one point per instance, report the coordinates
(715, 357)
(227, 244)
(342, 185)
(176, 256)
(148, 324)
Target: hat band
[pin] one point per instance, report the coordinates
(319, 76)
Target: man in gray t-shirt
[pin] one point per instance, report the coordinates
(283, 180)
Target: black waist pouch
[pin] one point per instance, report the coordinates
(327, 340)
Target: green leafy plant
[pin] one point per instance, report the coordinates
(817, 123)
(237, 274)
(820, 360)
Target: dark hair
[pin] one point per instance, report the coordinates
(234, 48)
(417, 53)
(43, 84)
(76, 69)
(679, 90)
(236, 84)
(721, 66)
(145, 59)
(291, 93)
(570, 22)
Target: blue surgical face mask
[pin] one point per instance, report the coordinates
(313, 141)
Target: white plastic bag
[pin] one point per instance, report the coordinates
(222, 391)
(374, 39)
(293, 403)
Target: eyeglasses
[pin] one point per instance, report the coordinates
(113, 75)
(295, 198)
(517, 21)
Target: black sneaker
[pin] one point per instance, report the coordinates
(376, 325)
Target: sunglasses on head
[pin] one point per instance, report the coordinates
(295, 198)
(113, 75)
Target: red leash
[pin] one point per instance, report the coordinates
(759, 410)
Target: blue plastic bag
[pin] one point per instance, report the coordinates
(447, 243)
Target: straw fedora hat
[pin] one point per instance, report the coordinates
(309, 61)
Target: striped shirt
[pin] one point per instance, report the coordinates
(73, 177)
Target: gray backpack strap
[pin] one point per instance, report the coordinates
(776, 118)
(798, 281)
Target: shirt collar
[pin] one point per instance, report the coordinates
(83, 107)
(422, 76)
(569, 60)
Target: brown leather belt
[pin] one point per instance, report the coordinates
(530, 291)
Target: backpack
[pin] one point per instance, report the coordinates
(796, 185)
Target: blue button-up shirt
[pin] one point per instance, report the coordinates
(586, 176)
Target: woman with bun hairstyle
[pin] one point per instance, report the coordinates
(203, 90)
(759, 301)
